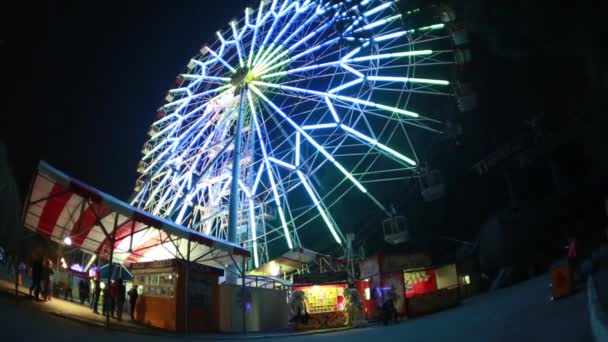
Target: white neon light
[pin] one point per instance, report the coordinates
(378, 23)
(297, 148)
(282, 163)
(284, 223)
(352, 70)
(220, 59)
(377, 9)
(374, 143)
(269, 171)
(237, 42)
(310, 139)
(254, 233)
(258, 176)
(340, 97)
(244, 188)
(315, 200)
(349, 60)
(390, 36)
(332, 110)
(407, 79)
(319, 126)
(346, 85)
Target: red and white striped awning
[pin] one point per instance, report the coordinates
(59, 206)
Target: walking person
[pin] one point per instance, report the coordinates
(96, 294)
(45, 279)
(112, 297)
(83, 291)
(120, 298)
(133, 300)
(68, 287)
(36, 278)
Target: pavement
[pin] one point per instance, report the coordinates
(523, 312)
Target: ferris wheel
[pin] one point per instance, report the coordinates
(315, 100)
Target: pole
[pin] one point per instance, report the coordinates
(187, 292)
(234, 187)
(244, 297)
(105, 299)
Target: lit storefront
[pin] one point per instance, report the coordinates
(324, 300)
(417, 287)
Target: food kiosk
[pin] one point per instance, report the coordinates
(171, 290)
(324, 299)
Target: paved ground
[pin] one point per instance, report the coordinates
(519, 313)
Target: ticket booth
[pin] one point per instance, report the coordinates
(171, 290)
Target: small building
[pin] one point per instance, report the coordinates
(418, 286)
(173, 292)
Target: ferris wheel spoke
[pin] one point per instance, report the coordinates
(309, 138)
(339, 97)
(269, 171)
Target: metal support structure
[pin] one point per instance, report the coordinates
(187, 299)
(233, 213)
(244, 295)
(111, 261)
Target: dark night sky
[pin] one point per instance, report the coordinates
(92, 75)
(83, 81)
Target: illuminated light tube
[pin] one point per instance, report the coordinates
(319, 126)
(350, 176)
(220, 59)
(235, 33)
(315, 200)
(259, 54)
(255, 33)
(285, 230)
(269, 172)
(244, 188)
(347, 59)
(378, 23)
(282, 163)
(258, 176)
(377, 9)
(300, 28)
(93, 257)
(390, 36)
(345, 85)
(309, 138)
(297, 148)
(432, 27)
(374, 143)
(407, 79)
(351, 70)
(254, 234)
(350, 54)
(339, 97)
(391, 55)
(332, 110)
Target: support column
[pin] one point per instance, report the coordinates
(233, 213)
(110, 267)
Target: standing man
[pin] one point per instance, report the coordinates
(133, 300)
(120, 298)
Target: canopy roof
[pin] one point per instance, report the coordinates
(59, 206)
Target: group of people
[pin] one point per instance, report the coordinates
(114, 297)
(42, 271)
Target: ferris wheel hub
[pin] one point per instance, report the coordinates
(242, 77)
